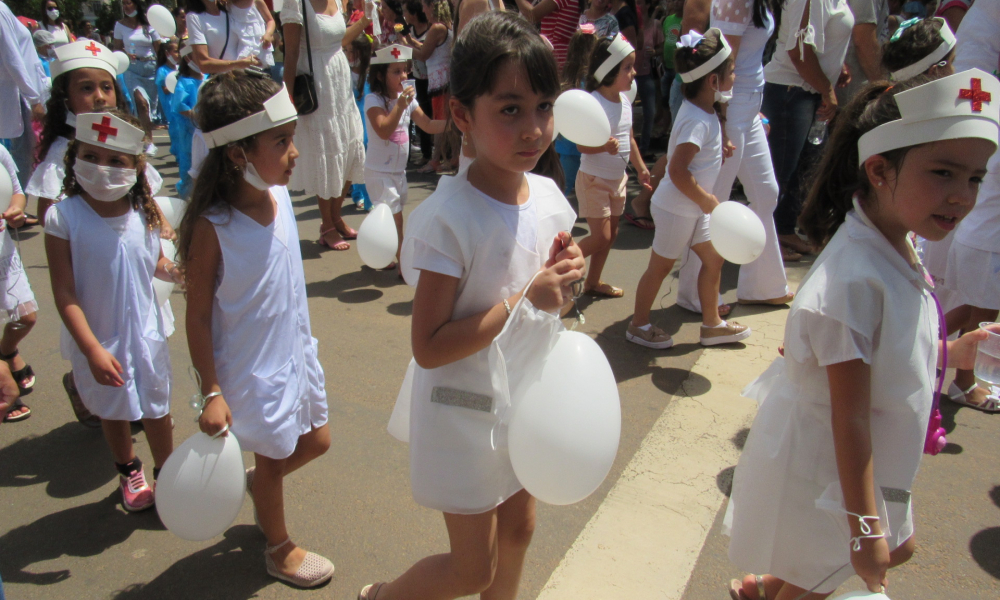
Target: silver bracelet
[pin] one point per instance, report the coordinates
(507, 306)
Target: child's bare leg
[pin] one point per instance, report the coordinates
(709, 279)
(466, 570)
(515, 527)
(119, 437)
(13, 334)
(268, 498)
(398, 218)
(597, 246)
(310, 446)
(160, 436)
(649, 287)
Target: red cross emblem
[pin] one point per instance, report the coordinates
(976, 95)
(104, 129)
(395, 53)
(93, 49)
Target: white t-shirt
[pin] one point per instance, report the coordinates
(388, 156)
(604, 165)
(735, 18)
(978, 40)
(55, 224)
(138, 41)
(828, 32)
(210, 30)
(692, 126)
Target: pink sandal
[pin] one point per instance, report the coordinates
(338, 246)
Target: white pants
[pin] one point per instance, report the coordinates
(763, 278)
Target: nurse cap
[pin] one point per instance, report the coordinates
(691, 40)
(108, 131)
(938, 54)
(392, 54)
(84, 54)
(963, 105)
(278, 110)
(619, 49)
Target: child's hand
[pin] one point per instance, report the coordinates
(962, 352)
(611, 147)
(563, 247)
(105, 368)
(552, 287)
(645, 180)
(215, 416)
(405, 98)
(14, 216)
(166, 231)
(871, 563)
(266, 40)
(728, 148)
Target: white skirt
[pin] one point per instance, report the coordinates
(16, 298)
(975, 275)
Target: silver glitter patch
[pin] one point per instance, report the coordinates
(895, 495)
(461, 398)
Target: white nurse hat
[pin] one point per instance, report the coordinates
(84, 54)
(111, 132)
(278, 110)
(947, 43)
(392, 54)
(619, 49)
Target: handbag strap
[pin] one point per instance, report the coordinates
(226, 45)
(305, 25)
(943, 331)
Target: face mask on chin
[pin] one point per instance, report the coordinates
(131, 14)
(104, 184)
(251, 176)
(723, 97)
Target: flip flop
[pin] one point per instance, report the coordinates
(990, 405)
(640, 222)
(605, 290)
(18, 406)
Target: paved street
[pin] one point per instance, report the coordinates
(651, 531)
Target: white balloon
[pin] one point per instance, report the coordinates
(172, 209)
(201, 487)
(171, 82)
(6, 189)
(630, 94)
(161, 20)
(564, 432)
(163, 289)
(865, 595)
(580, 119)
(377, 238)
(123, 61)
(736, 232)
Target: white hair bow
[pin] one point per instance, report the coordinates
(690, 39)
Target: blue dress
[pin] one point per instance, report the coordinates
(168, 114)
(184, 99)
(359, 193)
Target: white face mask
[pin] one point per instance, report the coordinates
(131, 14)
(252, 177)
(53, 13)
(70, 118)
(723, 97)
(172, 60)
(194, 67)
(105, 184)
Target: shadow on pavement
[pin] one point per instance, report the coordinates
(352, 288)
(231, 569)
(41, 458)
(82, 531)
(985, 545)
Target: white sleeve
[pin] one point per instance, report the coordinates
(437, 246)
(21, 68)
(54, 224)
(196, 36)
(829, 340)
(120, 32)
(732, 17)
(8, 163)
(427, 258)
(691, 131)
(153, 34)
(291, 12)
(813, 33)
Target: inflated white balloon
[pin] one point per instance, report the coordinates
(630, 94)
(580, 118)
(161, 20)
(163, 289)
(737, 233)
(123, 61)
(564, 432)
(377, 239)
(172, 209)
(6, 189)
(865, 595)
(201, 487)
(171, 82)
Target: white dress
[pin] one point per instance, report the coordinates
(16, 297)
(266, 359)
(331, 140)
(459, 461)
(47, 179)
(860, 300)
(251, 27)
(114, 273)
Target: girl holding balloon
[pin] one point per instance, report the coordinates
(103, 248)
(247, 313)
(823, 487)
(602, 178)
(681, 205)
(477, 242)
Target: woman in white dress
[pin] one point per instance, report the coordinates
(253, 20)
(214, 38)
(53, 22)
(823, 487)
(331, 139)
(139, 40)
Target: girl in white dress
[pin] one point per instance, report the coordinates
(477, 242)
(822, 489)
(247, 313)
(103, 247)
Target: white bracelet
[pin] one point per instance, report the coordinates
(866, 531)
(856, 541)
(507, 306)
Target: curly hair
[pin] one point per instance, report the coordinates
(441, 10)
(56, 109)
(140, 197)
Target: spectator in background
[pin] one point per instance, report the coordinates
(139, 40)
(953, 11)
(181, 22)
(864, 54)
(86, 31)
(43, 46)
(647, 49)
(413, 13)
(22, 91)
(629, 21)
(558, 19)
(52, 21)
(599, 15)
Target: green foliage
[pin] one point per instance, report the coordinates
(107, 15)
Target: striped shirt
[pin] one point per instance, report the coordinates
(560, 25)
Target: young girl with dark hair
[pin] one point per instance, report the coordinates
(823, 488)
(141, 42)
(103, 247)
(477, 241)
(574, 71)
(920, 47)
(53, 22)
(602, 179)
(247, 312)
(183, 104)
(167, 60)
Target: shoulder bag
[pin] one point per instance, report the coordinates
(304, 91)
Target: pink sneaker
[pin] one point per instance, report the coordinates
(136, 493)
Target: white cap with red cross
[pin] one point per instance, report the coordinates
(109, 131)
(392, 54)
(85, 54)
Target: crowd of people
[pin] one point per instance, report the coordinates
(863, 131)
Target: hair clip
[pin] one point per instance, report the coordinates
(588, 28)
(256, 71)
(903, 27)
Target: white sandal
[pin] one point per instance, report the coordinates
(990, 405)
(313, 571)
(736, 589)
(363, 594)
(250, 473)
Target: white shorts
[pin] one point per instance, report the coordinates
(676, 233)
(387, 188)
(975, 275)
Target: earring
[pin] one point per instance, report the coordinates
(879, 184)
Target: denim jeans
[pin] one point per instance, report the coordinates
(791, 111)
(646, 93)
